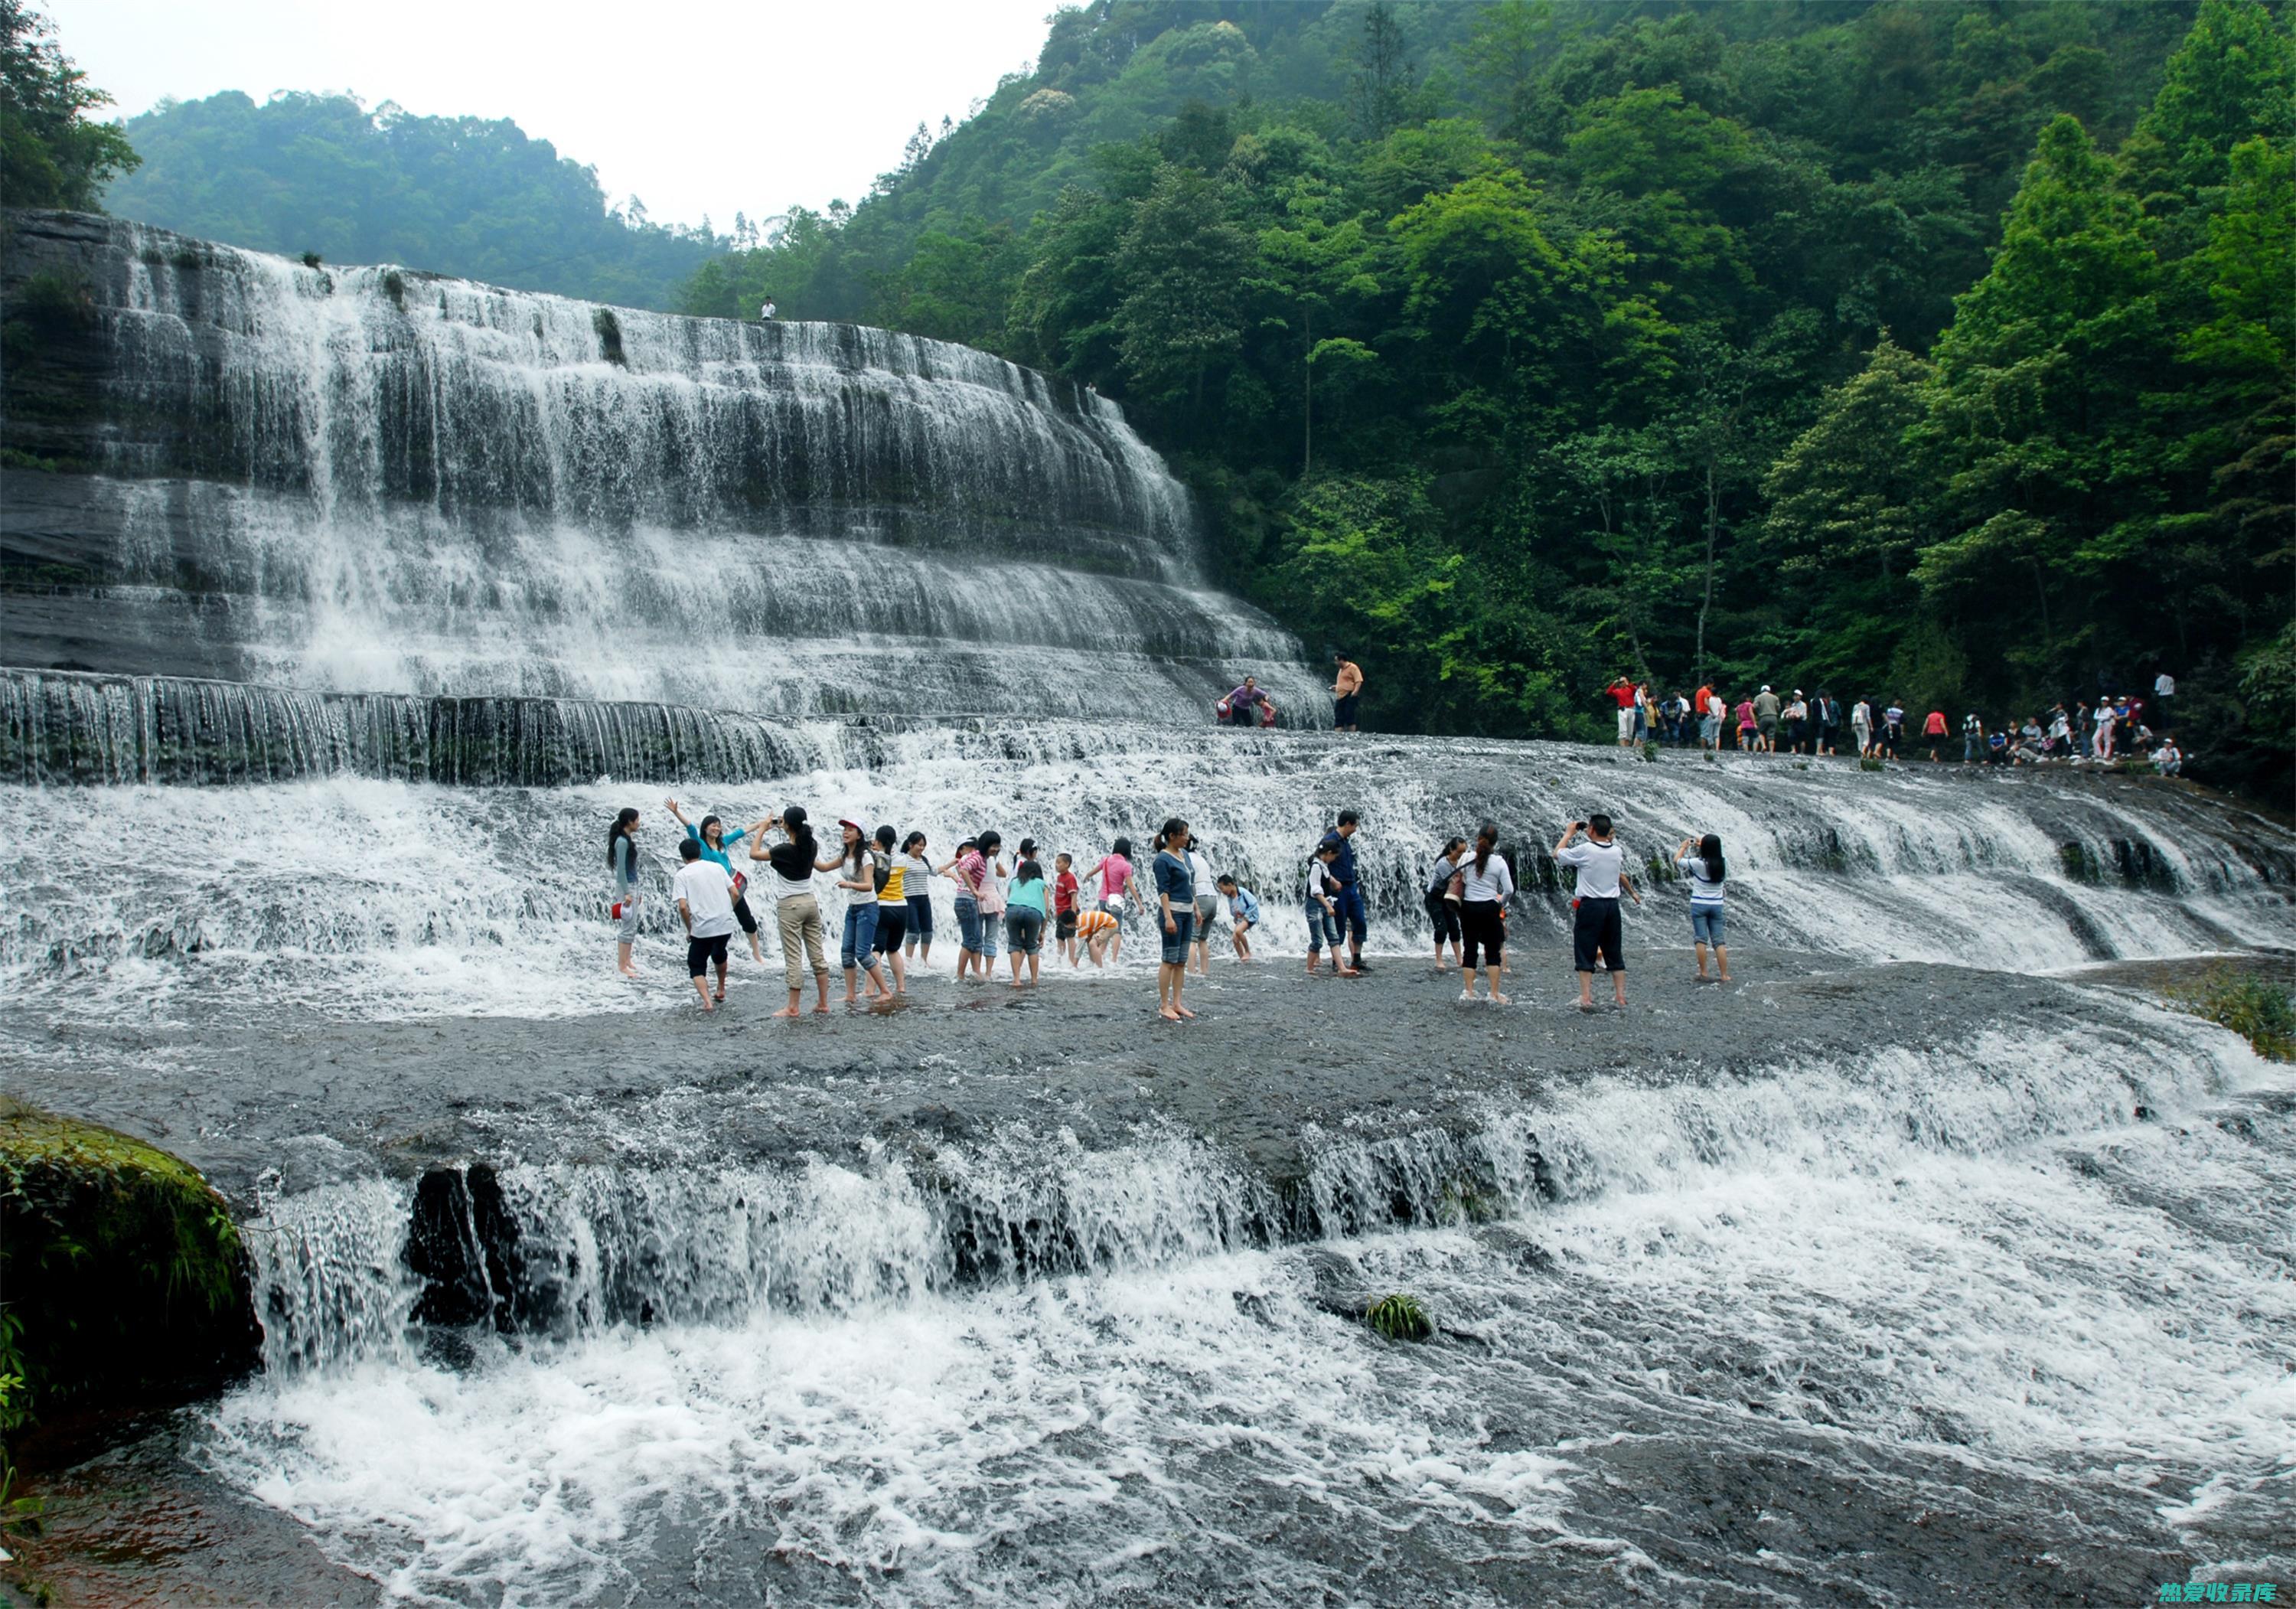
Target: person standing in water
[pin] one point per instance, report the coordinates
(1350, 901)
(1700, 861)
(715, 842)
(1596, 931)
(917, 893)
(704, 892)
(1176, 901)
(1200, 872)
(1323, 909)
(855, 867)
(1027, 911)
(1346, 690)
(797, 914)
(1487, 882)
(977, 881)
(622, 865)
(1114, 875)
(892, 874)
(1067, 895)
(1442, 909)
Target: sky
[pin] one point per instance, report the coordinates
(703, 107)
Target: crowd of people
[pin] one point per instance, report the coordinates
(2110, 727)
(879, 911)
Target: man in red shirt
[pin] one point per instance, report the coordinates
(1622, 692)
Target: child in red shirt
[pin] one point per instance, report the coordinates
(1065, 893)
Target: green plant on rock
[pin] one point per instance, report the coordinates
(1400, 1317)
(2258, 1010)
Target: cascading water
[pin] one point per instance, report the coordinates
(345, 606)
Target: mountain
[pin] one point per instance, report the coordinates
(472, 197)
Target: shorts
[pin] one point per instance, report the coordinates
(1479, 922)
(1064, 925)
(892, 926)
(1598, 932)
(700, 952)
(1769, 730)
(1177, 941)
(1206, 909)
(1445, 916)
(859, 948)
(626, 925)
(1708, 730)
(1343, 710)
(1323, 928)
(920, 917)
(741, 915)
(1351, 913)
(1024, 930)
(1706, 924)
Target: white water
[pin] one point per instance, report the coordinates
(1978, 1261)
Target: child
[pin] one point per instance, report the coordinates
(1244, 908)
(704, 892)
(1066, 891)
(1097, 929)
(1323, 911)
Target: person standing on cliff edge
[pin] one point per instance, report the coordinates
(1347, 686)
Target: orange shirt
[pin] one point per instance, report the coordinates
(1349, 679)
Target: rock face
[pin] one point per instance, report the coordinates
(122, 1267)
(230, 466)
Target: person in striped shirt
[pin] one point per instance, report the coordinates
(1700, 861)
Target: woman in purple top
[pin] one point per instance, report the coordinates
(1245, 706)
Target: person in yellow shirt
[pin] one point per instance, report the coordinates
(1346, 686)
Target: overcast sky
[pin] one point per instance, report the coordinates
(704, 106)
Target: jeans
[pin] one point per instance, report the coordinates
(1182, 934)
(968, 922)
(859, 948)
(1351, 914)
(1706, 925)
(1024, 930)
(1323, 928)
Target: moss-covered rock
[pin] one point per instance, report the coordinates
(123, 1275)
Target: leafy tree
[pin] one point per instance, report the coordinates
(53, 154)
(1181, 269)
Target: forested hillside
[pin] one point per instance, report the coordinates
(470, 196)
(1935, 349)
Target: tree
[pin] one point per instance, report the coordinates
(53, 154)
(1385, 75)
(1310, 260)
(1182, 268)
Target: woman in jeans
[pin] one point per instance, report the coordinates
(1700, 861)
(1176, 910)
(916, 890)
(856, 874)
(1029, 905)
(1485, 883)
(979, 904)
(797, 914)
(622, 861)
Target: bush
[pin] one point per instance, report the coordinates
(1400, 1317)
(2258, 1010)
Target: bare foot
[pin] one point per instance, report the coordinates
(1184, 1010)
(786, 1011)
(1348, 971)
(821, 1009)
(1170, 1016)
(627, 971)
(1467, 994)
(1502, 999)
(719, 997)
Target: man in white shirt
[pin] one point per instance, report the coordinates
(1596, 931)
(765, 313)
(704, 892)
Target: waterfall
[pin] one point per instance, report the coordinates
(375, 480)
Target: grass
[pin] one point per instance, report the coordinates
(2258, 1010)
(1400, 1317)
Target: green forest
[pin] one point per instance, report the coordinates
(1931, 350)
(470, 196)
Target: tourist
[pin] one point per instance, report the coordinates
(979, 904)
(1997, 747)
(2168, 759)
(1247, 706)
(704, 891)
(1826, 723)
(1706, 707)
(1026, 914)
(1596, 930)
(1642, 713)
(1485, 883)
(1861, 727)
(715, 840)
(1098, 930)
(1324, 909)
(1933, 732)
(1893, 728)
(892, 874)
(1700, 861)
(1442, 902)
(1621, 693)
(797, 914)
(2164, 689)
(1766, 709)
(2101, 744)
(1067, 899)
(1746, 726)
(1244, 911)
(855, 867)
(622, 864)
(1347, 689)
(1350, 901)
(766, 311)
(916, 890)
(1797, 723)
(1176, 901)
(2061, 732)
(1208, 902)
(1973, 737)
(1114, 875)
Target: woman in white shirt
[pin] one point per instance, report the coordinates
(1206, 907)
(1485, 883)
